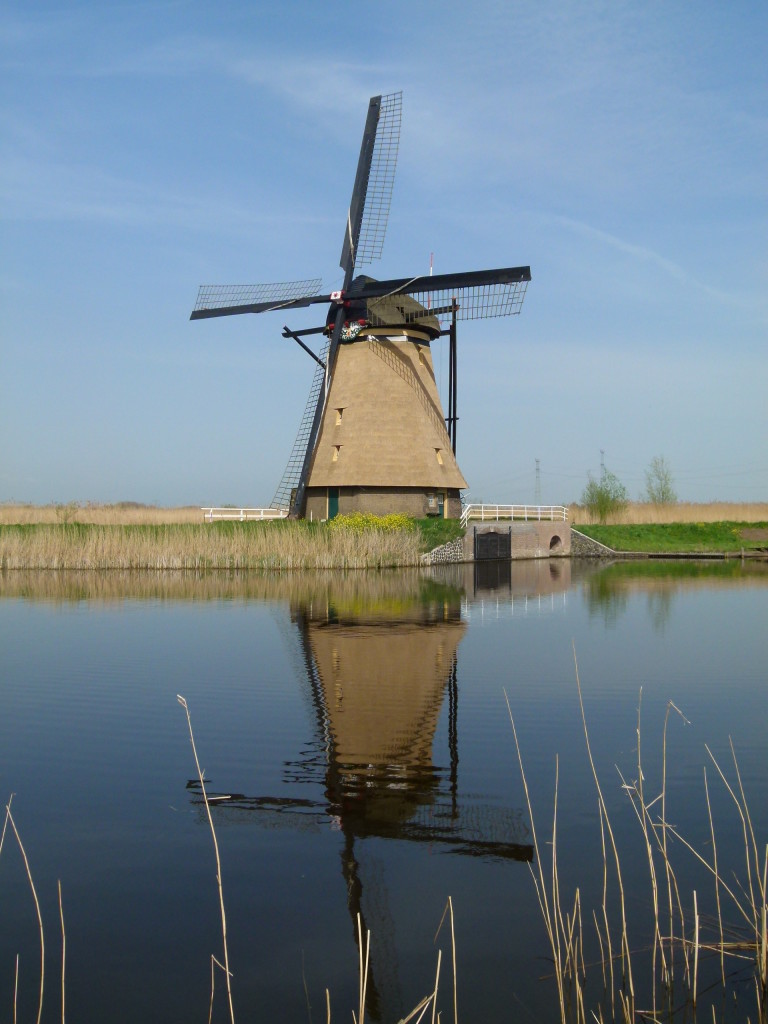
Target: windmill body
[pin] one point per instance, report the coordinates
(383, 444)
(375, 437)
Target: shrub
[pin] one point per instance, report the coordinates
(659, 485)
(357, 522)
(605, 497)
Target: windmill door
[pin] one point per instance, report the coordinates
(333, 502)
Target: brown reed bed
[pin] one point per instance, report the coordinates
(232, 546)
(131, 513)
(735, 931)
(122, 513)
(639, 512)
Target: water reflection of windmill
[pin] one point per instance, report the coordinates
(378, 684)
(377, 667)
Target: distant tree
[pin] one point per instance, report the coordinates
(604, 497)
(659, 485)
(66, 513)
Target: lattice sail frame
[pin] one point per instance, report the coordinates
(378, 195)
(220, 296)
(475, 302)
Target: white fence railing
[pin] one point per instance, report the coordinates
(528, 513)
(209, 514)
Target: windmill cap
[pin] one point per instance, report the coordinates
(398, 311)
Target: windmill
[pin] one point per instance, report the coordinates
(374, 436)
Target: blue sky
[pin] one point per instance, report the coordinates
(619, 149)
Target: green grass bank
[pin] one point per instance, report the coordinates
(681, 538)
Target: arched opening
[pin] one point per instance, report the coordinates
(555, 544)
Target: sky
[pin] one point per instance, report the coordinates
(620, 149)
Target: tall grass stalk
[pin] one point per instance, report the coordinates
(658, 946)
(717, 878)
(227, 972)
(9, 818)
(749, 902)
(606, 924)
(63, 955)
(449, 911)
(548, 914)
(695, 950)
(669, 874)
(364, 949)
(625, 954)
(564, 931)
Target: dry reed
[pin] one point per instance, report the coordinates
(639, 512)
(449, 911)
(227, 972)
(9, 818)
(135, 514)
(125, 513)
(564, 930)
(63, 957)
(279, 546)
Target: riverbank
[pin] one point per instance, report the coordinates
(130, 536)
(682, 538)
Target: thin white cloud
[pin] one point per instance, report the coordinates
(38, 191)
(645, 255)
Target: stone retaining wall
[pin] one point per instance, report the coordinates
(584, 547)
(527, 540)
(453, 551)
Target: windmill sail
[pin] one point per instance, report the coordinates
(372, 192)
(228, 299)
(286, 489)
(478, 294)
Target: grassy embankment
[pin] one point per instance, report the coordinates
(111, 537)
(682, 538)
(133, 536)
(683, 528)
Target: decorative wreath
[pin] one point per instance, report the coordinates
(348, 333)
